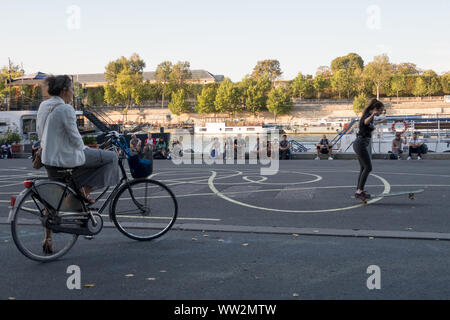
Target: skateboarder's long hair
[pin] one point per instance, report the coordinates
(373, 104)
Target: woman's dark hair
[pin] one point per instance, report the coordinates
(373, 104)
(56, 84)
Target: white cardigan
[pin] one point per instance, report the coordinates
(61, 142)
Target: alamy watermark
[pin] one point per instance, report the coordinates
(374, 280)
(73, 21)
(373, 21)
(238, 149)
(74, 280)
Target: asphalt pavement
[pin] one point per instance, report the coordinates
(298, 234)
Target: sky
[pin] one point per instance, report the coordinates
(225, 37)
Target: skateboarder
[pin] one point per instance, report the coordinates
(362, 143)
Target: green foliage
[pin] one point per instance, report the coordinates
(398, 83)
(205, 101)
(125, 81)
(12, 137)
(299, 86)
(445, 83)
(350, 62)
(228, 97)
(359, 103)
(320, 83)
(179, 74)
(406, 68)
(271, 68)
(96, 96)
(379, 71)
(179, 104)
(420, 88)
(257, 94)
(89, 140)
(279, 101)
(432, 83)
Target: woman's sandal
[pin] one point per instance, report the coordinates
(47, 246)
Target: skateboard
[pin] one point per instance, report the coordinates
(411, 195)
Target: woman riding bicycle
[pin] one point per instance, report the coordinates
(63, 147)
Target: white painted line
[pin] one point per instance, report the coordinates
(387, 189)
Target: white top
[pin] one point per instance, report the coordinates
(61, 142)
(418, 140)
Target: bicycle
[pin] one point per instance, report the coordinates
(141, 208)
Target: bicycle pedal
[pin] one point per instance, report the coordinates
(89, 237)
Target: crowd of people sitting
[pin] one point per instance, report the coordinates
(154, 148)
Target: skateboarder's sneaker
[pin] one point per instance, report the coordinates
(330, 158)
(409, 158)
(363, 195)
(318, 158)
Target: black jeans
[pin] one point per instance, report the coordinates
(417, 150)
(361, 147)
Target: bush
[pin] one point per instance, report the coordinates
(359, 103)
(11, 136)
(89, 140)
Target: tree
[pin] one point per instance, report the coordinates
(228, 97)
(257, 93)
(432, 82)
(205, 101)
(320, 83)
(270, 67)
(279, 101)
(351, 62)
(420, 88)
(162, 77)
(179, 74)
(7, 74)
(359, 103)
(379, 71)
(445, 83)
(341, 81)
(398, 83)
(96, 96)
(134, 65)
(406, 68)
(179, 104)
(299, 86)
(345, 71)
(124, 80)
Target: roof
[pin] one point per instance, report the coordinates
(100, 77)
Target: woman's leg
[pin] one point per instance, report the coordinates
(361, 149)
(366, 166)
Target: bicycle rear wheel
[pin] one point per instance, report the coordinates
(144, 209)
(28, 229)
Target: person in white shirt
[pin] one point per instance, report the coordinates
(415, 146)
(63, 147)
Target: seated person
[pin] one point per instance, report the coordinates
(415, 146)
(397, 149)
(135, 145)
(176, 148)
(161, 149)
(325, 147)
(285, 149)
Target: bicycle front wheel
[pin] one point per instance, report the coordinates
(144, 209)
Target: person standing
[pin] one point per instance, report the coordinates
(362, 144)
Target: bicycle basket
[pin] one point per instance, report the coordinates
(140, 168)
